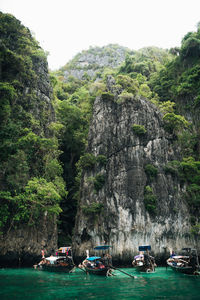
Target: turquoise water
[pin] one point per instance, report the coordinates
(35, 284)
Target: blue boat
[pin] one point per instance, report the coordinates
(98, 265)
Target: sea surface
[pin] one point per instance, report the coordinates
(28, 283)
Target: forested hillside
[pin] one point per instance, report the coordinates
(75, 98)
(45, 119)
(31, 183)
(167, 78)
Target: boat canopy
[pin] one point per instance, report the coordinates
(93, 258)
(64, 249)
(102, 247)
(52, 258)
(144, 248)
(138, 256)
(186, 249)
(179, 257)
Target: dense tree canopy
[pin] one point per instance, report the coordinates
(44, 126)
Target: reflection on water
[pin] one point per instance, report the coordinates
(34, 284)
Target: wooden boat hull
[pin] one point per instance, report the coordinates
(185, 270)
(102, 272)
(144, 269)
(54, 268)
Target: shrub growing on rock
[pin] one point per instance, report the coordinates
(139, 129)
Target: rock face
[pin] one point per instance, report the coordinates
(94, 60)
(22, 246)
(124, 222)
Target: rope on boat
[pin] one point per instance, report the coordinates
(82, 269)
(72, 270)
(123, 272)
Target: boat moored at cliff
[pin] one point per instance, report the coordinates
(94, 265)
(61, 262)
(98, 265)
(186, 264)
(144, 262)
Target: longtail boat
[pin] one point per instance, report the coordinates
(93, 265)
(98, 265)
(186, 264)
(144, 262)
(61, 262)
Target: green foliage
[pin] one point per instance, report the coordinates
(195, 230)
(197, 102)
(39, 196)
(190, 170)
(173, 168)
(188, 143)
(87, 161)
(97, 88)
(53, 168)
(128, 84)
(124, 96)
(150, 200)
(191, 46)
(179, 79)
(190, 173)
(145, 91)
(17, 171)
(189, 82)
(193, 195)
(92, 209)
(167, 107)
(102, 160)
(7, 94)
(37, 157)
(146, 61)
(139, 129)
(107, 96)
(127, 66)
(5, 198)
(151, 171)
(174, 123)
(99, 181)
(31, 175)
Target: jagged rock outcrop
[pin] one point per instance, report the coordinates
(94, 60)
(22, 246)
(124, 221)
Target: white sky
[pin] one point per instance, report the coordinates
(66, 27)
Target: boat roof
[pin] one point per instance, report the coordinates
(91, 258)
(138, 256)
(52, 258)
(144, 248)
(179, 256)
(102, 247)
(64, 249)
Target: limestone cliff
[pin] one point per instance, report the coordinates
(124, 221)
(26, 146)
(94, 60)
(22, 246)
